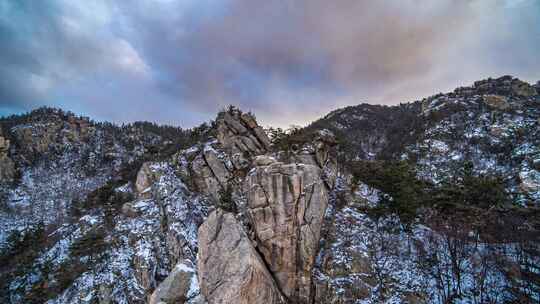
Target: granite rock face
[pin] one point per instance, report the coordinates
(229, 268)
(209, 171)
(319, 152)
(286, 206)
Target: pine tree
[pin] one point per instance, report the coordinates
(226, 201)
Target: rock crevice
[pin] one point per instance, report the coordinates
(230, 269)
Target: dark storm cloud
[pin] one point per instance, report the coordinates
(288, 61)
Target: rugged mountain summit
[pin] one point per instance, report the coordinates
(286, 202)
(241, 136)
(434, 201)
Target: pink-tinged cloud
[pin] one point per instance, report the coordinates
(290, 62)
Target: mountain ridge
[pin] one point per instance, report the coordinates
(94, 212)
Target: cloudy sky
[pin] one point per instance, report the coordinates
(180, 61)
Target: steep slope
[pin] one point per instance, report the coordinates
(493, 124)
(61, 219)
(408, 249)
(373, 131)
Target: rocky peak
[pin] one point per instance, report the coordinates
(46, 130)
(505, 85)
(241, 136)
(287, 196)
(213, 165)
(502, 94)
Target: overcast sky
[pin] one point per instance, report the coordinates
(290, 62)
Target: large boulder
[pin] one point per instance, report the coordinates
(286, 206)
(229, 268)
(179, 287)
(217, 166)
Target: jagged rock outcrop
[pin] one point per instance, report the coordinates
(286, 202)
(7, 166)
(241, 137)
(51, 133)
(208, 169)
(286, 206)
(505, 85)
(229, 268)
(523, 89)
(209, 172)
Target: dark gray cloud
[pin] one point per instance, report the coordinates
(288, 61)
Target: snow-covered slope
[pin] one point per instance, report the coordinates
(73, 227)
(96, 213)
(495, 124)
